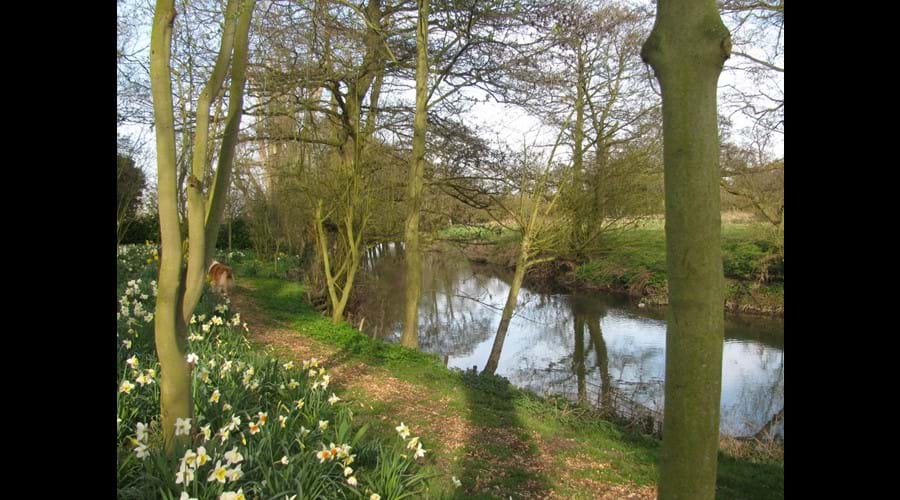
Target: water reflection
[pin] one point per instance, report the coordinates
(592, 348)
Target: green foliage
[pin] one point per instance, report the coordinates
(130, 185)
(634, 260)
(142, 228)
(241, 237)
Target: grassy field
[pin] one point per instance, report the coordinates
(633, 261)
(496, 440)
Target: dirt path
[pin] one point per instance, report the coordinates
(429, 415)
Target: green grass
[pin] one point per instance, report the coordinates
(634, 260)
(498, 409)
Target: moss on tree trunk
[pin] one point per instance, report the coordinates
(687, 49)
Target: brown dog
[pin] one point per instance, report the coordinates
(221, 277)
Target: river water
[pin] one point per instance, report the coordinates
(597, 348)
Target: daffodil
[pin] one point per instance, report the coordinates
(207, 432)
(234, 474)
(282, 420)
(231, 495)
(300, 404)
(456, 482)
(234, 456)
(133, 362)
(333, 399)
(184, 475)
(141, 431)
(192, 358)
(288, 365)
(324, 454)
(284, 460)
(182, 426)
(141, 451)
(347, 471)
(190, 458)
(323, 424)
(351, 481)
(215, 396)
(403, 430)
(254, 428)
(218, 474)
(126, 387)
(374, 496)
(263, 417)
(202, 456)
(420, 452)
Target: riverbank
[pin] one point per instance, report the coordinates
(633, 262)
(497, 440)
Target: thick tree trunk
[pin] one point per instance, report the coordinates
(178, 293)
(175, 373)
(410, 335)
(687, 49)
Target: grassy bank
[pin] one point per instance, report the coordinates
(633, 261)
(496, 440)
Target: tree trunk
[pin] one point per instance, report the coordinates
(175, 374)
(593, 324)
(197, 263)
(578, 358)
(178, 293)
(410, 335)
(222, 178)
(687, 49)
(510, 307)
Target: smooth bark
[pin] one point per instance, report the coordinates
(687, 49)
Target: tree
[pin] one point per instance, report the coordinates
(410, 335)
(687, 50)
(179, 289)
(531, 224)
(130, 185)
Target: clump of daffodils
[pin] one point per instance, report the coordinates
(218, 357)
(413, 444)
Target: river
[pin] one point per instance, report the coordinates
(597, 348)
